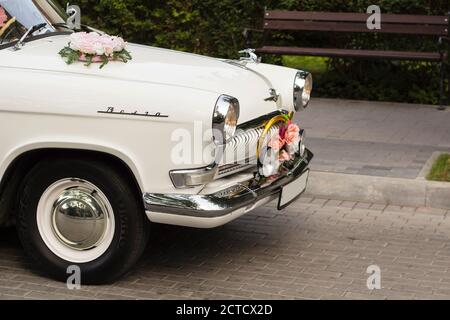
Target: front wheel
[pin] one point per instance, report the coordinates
(81, 213)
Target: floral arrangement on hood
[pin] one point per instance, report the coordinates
(281, 148)
(3, 17)
(94, 47)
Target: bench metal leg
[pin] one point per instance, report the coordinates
(442, 89)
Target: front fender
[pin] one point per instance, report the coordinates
(69, 145)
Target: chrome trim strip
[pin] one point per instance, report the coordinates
(243, 65)
(230, 169)
(225, 201)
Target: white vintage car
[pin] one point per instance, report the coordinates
(89, 155)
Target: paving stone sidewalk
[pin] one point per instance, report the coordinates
(315, 249)
(372, 138)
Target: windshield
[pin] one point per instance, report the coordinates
(17, 16)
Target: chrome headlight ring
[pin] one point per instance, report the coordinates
(225, 119)
(302, 145)
(303, 84)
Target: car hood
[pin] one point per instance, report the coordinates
(158, 66)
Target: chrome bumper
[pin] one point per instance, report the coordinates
(225, 201)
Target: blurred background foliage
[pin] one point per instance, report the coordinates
(214, 28)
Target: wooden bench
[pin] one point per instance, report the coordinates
(437, 26)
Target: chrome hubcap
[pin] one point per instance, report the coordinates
(79, 218)
(75, 220)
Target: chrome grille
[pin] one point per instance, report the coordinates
(240, 152)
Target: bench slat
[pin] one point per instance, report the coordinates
(355, 27)
(372, 54)
(354, 17)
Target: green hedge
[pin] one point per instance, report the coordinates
(214, 27)
(201, 26)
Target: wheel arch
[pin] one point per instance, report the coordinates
(23, 159)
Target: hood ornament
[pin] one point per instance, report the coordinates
(250, 56)
(274, 96)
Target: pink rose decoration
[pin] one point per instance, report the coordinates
(94, 47)
(284, 156)
(3, 17)
(292, 132)
(96, 44)
(276, 143)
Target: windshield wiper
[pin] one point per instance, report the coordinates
(62, 25)
(82, 27)
(32, 30)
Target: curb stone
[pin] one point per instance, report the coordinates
(429, 165)
(394, 191)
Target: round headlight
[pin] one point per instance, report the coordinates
(302, 89)
(225, 119)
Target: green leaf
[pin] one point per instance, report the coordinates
(105, 61)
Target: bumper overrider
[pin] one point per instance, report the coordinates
(212, 210)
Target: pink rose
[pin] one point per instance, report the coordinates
(276, 143)
(118, 44)
(292, 132)
(284, 156)
(84, 42)
(3, 17)
(110, 45)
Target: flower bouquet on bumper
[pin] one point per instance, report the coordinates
(279, 145)
(95, 48)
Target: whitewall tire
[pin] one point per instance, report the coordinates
(81, 212)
